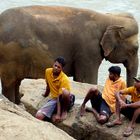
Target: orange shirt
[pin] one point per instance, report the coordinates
(110, 89)
(132, 91)
(56, 84)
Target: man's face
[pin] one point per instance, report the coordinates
(137, 86)
(57, 68)
(111, 76)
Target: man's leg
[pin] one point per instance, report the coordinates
(45, 113)
(42, 117)
(117, 121)
(131, 126)
(100, 109)
(63, 104)
(91, 93)
(95, 113)
(39, 115)
(104, 112)
(134, 118)
(97, 106)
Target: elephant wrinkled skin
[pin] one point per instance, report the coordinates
(32, 37)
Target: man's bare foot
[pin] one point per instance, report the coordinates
(115, 122)
(64, 115)
(128, 131)
(56, 118)
(82, 110)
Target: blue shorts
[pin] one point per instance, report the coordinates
(50, 107)
(100, 105)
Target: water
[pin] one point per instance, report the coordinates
(131, 6)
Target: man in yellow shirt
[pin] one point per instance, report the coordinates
(103, 105)
(129, 109)
(58, 90)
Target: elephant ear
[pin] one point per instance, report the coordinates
(111, 36)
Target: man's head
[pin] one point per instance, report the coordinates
(114, 72)
(137, 84)
(61, 61)
(58, 65)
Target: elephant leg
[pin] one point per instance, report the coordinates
(12, 91)
(8, 91)
(87, 73)
(17, 94)
(131, 69)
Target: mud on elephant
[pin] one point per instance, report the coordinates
(31, 37)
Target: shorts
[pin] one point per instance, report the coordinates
(100, 105)
(51, 106)
(128, 112)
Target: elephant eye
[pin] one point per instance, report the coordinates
(134, 50)
(136, 47)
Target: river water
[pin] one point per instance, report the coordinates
(105, 6)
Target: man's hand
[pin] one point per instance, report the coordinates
(56, 118)
(122, 104)
(44, 94)
(47, 91)
(82, 110)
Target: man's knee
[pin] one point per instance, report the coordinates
(40, 116)
(65, 91)
(65, 95)
(93, 91)
(103, 119)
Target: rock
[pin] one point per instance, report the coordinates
(32, 90)
(87, 128)
(17, 124)
(81, 128)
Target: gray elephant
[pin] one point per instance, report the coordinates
(32, 37)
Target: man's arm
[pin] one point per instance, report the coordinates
(47, 91)
(121, 99)
(123, 104)
(118, 96)
(58, 107)
(134, 105)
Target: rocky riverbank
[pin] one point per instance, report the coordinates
(81, 128)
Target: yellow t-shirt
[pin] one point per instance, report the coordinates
(56, 84)
(132, 91)
(110, 89)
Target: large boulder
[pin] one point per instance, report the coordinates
(17, 124)
(86, 127)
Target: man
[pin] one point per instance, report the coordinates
(58, 89)
(104, 104)
(129, 109)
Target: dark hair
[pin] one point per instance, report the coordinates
(115, 70)
(60, 60)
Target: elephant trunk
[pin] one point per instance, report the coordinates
(131, 69)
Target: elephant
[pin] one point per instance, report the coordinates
(31, 37)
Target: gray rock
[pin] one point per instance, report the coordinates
(81, 128)
(17, 124)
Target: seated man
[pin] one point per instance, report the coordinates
(129, 109)
(60, 99)
(104, 104)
